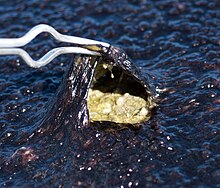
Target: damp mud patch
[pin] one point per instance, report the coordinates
(118, 94)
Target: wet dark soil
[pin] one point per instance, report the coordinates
(177, 42)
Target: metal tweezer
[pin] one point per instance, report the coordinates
(11, 46)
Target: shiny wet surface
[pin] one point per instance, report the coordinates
(178, 43)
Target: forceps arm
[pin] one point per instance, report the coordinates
(30, 35)
(9, 46)
(48, 57)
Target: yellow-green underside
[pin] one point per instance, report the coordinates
(118, 108)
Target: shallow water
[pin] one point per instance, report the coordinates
(178, 43)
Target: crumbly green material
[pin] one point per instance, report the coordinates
(118, 108)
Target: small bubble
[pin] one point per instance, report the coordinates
(78, 156)
(18, 62)
(193, 100)
(8, 134)
(169, 148)
(129, 184)
(31, 135)
(136, 183)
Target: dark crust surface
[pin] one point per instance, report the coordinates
(120, 59)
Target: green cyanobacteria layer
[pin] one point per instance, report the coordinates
(118, 108)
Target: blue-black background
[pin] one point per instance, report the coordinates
(177, 42)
